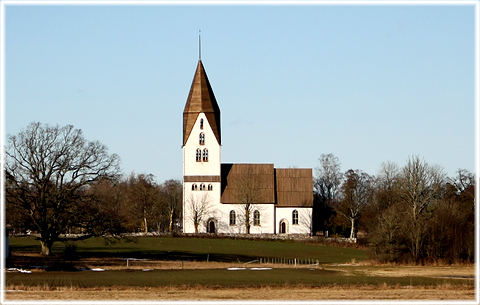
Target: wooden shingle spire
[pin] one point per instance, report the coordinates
(201, 99)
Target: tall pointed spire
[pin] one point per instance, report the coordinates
(201, 100)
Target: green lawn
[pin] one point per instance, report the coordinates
(199, 249)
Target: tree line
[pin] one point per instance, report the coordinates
(57, 182)
(413, 213)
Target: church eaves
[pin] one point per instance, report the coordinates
(201, 99)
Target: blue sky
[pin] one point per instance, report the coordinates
(367, 83)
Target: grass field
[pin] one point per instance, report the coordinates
(196, 269)
(199, 249)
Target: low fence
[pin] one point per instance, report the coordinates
(285, 261)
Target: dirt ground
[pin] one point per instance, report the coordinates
(266, 293)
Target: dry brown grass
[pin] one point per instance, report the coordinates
(400, 271)
(264, 293)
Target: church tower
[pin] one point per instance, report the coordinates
(201, 154)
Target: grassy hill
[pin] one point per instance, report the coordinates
(198, 249)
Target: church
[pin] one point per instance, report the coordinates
(226, 198)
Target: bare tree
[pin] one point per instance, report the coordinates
(104, 210)
(388, 175)
(198, 208)
(49, 169)
(247, 191)
(172, 191)
(144, 196)
(387, 186)
(326, 185)
(356, 193)
(421, 185)
(329, 177)
(463, 180)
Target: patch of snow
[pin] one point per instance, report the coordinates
(18, 270)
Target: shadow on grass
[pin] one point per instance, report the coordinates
(170, 256)
(59, 262)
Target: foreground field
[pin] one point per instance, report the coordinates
(201, 269)
(339, 282)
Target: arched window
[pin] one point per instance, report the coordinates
(210, 187)
(205, 155)
(194, 187)
(201, 123)
(211, 226)
(202, 139)
(232, 217)
(198, 155)
(202, 187)
(295, 217)
(256, 218)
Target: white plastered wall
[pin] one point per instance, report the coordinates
(267, 212)
(193, 168)
(304, 220)
(190, 166)
(213, 198)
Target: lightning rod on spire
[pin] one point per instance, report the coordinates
(199, 44)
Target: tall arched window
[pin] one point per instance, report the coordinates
(202, 139)
(202, 187)
(256, 218)
(210, 187)
(205, 155)
(295, 217)
(198, 155)
(232, 217)
(201, 123)
(194, 187)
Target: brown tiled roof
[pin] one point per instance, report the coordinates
(255, 179)
(201, 99)
(294, 187)
(290, 187)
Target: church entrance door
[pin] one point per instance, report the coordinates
(283, 228)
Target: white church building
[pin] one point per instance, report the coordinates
(235, 198)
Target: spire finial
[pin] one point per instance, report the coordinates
(199, 44)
